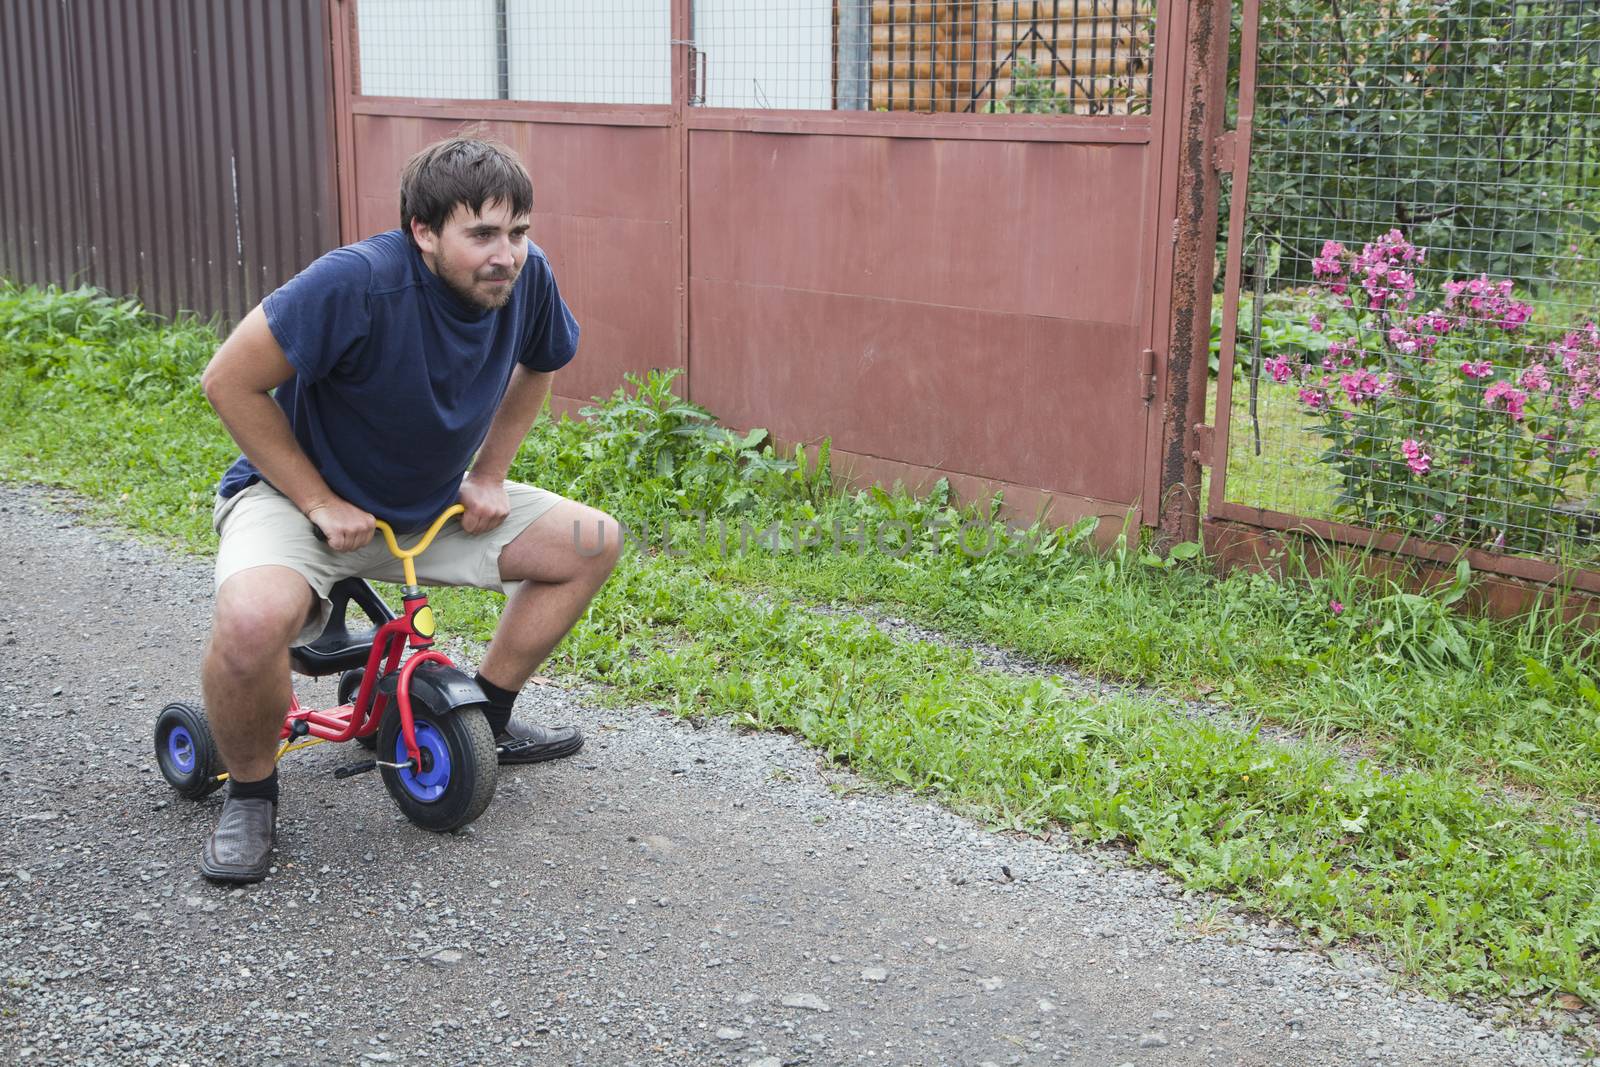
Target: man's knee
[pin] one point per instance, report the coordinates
(258, 614)
(607, 548)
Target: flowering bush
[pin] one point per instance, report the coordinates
(1451, 421)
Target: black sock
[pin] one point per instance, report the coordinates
(266, 789)
(498, 709)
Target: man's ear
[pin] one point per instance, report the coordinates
(426, 239)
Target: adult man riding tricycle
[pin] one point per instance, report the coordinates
(407, 369)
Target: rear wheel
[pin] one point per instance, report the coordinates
(186, 752)
(459, 765)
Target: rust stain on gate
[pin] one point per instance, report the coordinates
(984, 298)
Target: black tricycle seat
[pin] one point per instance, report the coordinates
(338, 648)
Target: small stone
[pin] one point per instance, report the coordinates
(989, 985)
(57, 691)
(767, 1061)
(1154, 1039)
(874, 974)
(807, 1001)
(1047, 1006)
(728, 1033)
(744, 998)
(446, 957)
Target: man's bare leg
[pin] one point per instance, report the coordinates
(245, 680)
(561, 572)
(245, 675)
(558, 580)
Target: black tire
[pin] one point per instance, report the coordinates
(349, 686)
(433, 800)
(186, 752)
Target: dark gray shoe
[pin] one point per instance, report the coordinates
(240, 847)
(535, 744)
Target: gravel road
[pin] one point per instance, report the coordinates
(672, 895)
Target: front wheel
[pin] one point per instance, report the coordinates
(459, 765)
(187, 753)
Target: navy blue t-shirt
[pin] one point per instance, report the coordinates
(396, 377)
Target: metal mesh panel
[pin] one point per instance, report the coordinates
(973, 56)
(1418, 347)
(579, 51)
(1049, 57)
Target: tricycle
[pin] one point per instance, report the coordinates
(420, 716)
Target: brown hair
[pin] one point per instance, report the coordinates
(462, 170)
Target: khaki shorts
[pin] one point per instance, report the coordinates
(259, 526)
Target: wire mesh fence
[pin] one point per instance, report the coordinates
(566, 51)
(983, 57)
(967, 56)
(1418, 347)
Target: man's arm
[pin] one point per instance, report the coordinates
(238, 382)
(483, 489)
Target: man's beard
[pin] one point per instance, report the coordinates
(469, 294)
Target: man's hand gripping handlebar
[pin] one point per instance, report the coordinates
(405, 555)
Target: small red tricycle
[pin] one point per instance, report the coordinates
(423, 717)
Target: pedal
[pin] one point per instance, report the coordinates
(355, 768)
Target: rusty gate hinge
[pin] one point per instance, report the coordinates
(1222, 152)
(1149, 374)
(1204, 442)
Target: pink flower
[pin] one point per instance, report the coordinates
(1418, 458)
(1317, 325)
(1387, 282)
(1280, 368)
(1481, 369)
(1336, 607)
(1363, 386)
(1438, 518)
(1535, 379)
(1504, 394)
(1402, 341)
(1330, 263)
(1315, 399)
(1579, 353)
(1487, 301)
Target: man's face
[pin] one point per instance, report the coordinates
(477, 256)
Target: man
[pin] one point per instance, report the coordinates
(408, 368)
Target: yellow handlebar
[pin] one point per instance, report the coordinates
(405, 556)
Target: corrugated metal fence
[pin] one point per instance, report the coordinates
(180, 150)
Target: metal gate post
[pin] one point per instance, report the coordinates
(684, 55)
(344, 69)
(1194, 238)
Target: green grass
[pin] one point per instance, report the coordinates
(1287, 475)
(1463, 887)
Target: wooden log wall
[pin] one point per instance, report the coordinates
(959, 55)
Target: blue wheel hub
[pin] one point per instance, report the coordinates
(180, 748)
(430, 782)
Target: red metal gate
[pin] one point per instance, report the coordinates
(981, 297)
